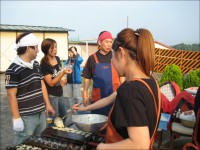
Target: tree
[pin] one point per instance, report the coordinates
(190, 47)
(193, 79)
(172, 73)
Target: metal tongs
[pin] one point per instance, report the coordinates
(58, 122)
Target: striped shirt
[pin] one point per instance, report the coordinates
(28, 83)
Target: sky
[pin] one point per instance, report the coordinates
(170, 22)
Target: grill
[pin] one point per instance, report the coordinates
(68, 138)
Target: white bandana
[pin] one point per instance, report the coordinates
(22, 63)
(28, 40)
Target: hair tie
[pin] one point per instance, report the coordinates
(137, 32)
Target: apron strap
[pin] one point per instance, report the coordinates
(95, 58)
(157, 109)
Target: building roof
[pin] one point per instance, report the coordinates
(164, 45)
(82, 43)
(23, 28)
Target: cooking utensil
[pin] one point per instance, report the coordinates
(89, 122)
(58, 122)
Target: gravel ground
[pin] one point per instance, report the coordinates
(6, 131)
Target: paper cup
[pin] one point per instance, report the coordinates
(49, 120)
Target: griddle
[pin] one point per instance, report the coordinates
(65, 136)
(53, 139)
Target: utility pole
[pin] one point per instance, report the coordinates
(127, 21)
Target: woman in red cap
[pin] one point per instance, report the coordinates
(100, 69)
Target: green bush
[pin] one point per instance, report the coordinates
(193, 79)
(172, 73)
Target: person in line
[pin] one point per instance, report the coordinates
(74, 80)
(100, 69)
(26, 90)
(134, 117)
(54, 77)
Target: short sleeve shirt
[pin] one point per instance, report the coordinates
(90, 64)
(134, 106)
(28, 83)
(53, 71)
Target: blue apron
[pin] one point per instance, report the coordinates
(103, 82)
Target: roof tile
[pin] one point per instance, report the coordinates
(6, 27)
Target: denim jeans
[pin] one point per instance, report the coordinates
(34, 125)
(58, 104)
(74, 94)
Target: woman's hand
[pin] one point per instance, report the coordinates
(67, 70)
(78, 107)
(63, 81)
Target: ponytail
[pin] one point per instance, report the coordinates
(139, 45)
(145, 51)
